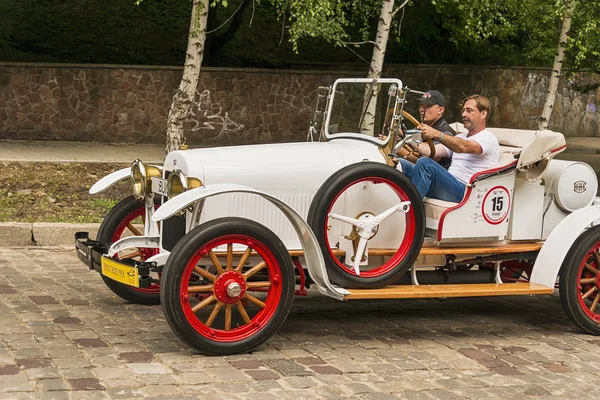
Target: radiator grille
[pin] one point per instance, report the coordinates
(258, 209)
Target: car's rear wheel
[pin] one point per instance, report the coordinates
(228, 286)
(127, 219)
(580, 281)
(363, 192)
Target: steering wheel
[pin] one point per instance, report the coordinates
(403, 143)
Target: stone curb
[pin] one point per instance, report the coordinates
(42, 233)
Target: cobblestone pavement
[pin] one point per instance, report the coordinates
(65, 336)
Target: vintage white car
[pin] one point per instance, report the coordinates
(225, 237)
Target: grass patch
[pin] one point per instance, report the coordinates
(57, 192)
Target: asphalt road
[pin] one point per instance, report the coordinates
(64, 335)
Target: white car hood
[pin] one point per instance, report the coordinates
(269, 166)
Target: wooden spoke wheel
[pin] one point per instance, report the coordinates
(228, 286)
(580, 281)
(362, 191)
(127, 219)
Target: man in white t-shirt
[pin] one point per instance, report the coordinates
(471, 152)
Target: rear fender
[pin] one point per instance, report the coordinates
(110, 180)
(551, 256)
(312, 252)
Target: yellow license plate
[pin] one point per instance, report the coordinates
(120, 272)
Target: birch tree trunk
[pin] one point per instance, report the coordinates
(376, 66)
(184, 96)
(557, 67)
(383, 33)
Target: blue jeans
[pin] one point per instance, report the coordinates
(432, 180)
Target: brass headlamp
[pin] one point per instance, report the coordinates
(179, 183)
(141, 177)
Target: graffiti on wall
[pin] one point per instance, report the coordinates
(534, 92)
(207, 119)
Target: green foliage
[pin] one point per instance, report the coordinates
(532, 26)
(478, 20)
(314, 18)
(584, 46)
(290, 33)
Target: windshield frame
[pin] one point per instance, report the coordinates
(355, 135)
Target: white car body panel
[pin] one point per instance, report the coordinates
(110, 180)
(469, 220)
(526, 211)
(560, 240)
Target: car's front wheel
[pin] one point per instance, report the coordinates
(228, 286)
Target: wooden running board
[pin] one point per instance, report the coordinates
(431, 250)
(498, 249)
(456, 290)
(440, 250)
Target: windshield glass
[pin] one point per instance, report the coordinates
(360, 108)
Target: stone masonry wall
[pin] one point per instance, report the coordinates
(517, 95)
(110, 103)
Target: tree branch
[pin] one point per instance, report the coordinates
(282, 28)
(357, 55)
(359, 43)
(245, 2)
(252, 16)
(401, 6)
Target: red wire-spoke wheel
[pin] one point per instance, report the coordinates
(228, 286)
(127, 218)
(362, 191)
(580, 281)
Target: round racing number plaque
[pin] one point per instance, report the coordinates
(496, 204)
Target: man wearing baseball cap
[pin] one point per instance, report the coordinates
(432, 107)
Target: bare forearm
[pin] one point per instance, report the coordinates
(456, 144)
(440, 151)
(424, 149)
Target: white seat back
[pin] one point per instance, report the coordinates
(536, 148)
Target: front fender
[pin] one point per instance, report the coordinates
(110, 180)
(150, 242)
(312, 252)
(551, 256)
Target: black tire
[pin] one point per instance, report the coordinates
(181, 273)
(125, 209)
(410, 245)
(582, 311)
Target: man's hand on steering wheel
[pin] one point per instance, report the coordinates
(428, 132)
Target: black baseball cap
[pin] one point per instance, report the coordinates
(433, 97)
